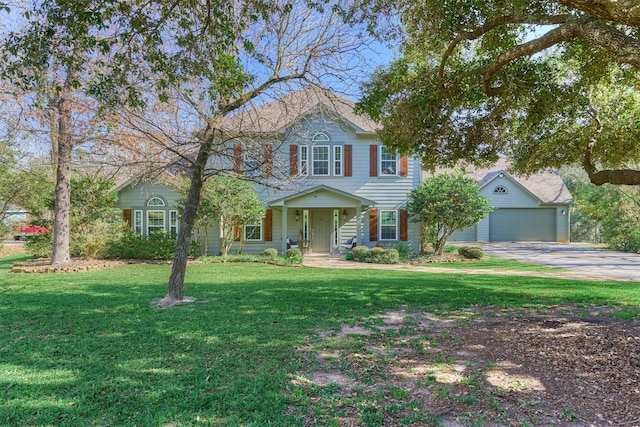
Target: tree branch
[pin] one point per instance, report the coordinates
(625, 12)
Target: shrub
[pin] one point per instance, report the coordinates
(94, 243)
(40, 245)
(349, 256)
(156, 246)
(471, 252)
(294, 255)
(360, 253)
(374, 255)
(271, 252)
(404, 250)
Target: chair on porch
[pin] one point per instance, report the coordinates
(349, 244)
(291, 243)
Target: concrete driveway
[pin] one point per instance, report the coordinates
(575, 257)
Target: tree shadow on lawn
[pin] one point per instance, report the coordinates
(89, 348)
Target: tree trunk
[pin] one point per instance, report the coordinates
(175, 291)
(61, 227)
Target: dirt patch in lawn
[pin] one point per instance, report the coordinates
(567, 366)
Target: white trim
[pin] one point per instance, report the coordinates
(259, 238)
(338, 160)
(380, 225)
(162, 202)
(138, 222)
(327, 160)
(303, 162)
(164, 220)
(380, 160)
(174, 223)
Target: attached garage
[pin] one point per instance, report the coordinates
(466, 235)
(521, 225)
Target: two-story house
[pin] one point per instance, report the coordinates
(327, 179)
(336, 180)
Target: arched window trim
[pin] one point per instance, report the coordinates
(320, 137)
(500, 189)
(151, 203)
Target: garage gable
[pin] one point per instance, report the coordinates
(502, 191)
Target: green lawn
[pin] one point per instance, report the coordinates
(489, 262)
(82, 349)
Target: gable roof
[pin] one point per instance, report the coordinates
(363, 201)
(547, 186)
(277, 115)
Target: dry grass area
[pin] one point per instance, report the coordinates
(568, 366)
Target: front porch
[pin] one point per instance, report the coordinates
(321, 218)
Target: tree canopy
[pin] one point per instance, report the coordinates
(547, 83)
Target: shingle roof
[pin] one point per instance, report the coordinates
(277, 115)
(547, 185)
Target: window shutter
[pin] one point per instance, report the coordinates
(373, 160)
(373, 225)
(404, 166)
(293, 159)
(237, 233)
(404, 225)
(237, 158)
(348, 160)
(268, 225)
(267, 166)
(126, 216)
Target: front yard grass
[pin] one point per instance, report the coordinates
(91, 348)
(490, 262)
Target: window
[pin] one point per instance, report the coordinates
(253, 232)
(320, 137)
(155, 221)
(173, 223)
(304, 160)
(388, 162)
(388, 225)
(337, 160)
(137, 222)
(500, 189)
(320, 160)
(155, 201)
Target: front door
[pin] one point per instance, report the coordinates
(321, 230)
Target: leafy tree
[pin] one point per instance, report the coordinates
(56, 57)
(20, 185)
(445, 203)
(549, 83)
(232, 203)
(94, 220)
(609, 214)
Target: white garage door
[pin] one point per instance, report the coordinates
(522, 225)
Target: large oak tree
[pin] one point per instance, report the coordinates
(547, 83)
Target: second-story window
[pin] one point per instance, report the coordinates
(304, 160)
(320, 160)
(337, 160)
(388, 162)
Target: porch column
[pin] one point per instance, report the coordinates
(283, 237)
(358, 225)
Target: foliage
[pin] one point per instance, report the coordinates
(20, 186)
(155, 246)
(95, 221)
(294, 255)
(608, 214)
(231, 202)
(549, 83)
(404, 250)
(271, 252)
(253, 258)
(39, 245)
(445, 203)
(374, 255)
(471, 252)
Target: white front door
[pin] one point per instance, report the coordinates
(321, 220)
